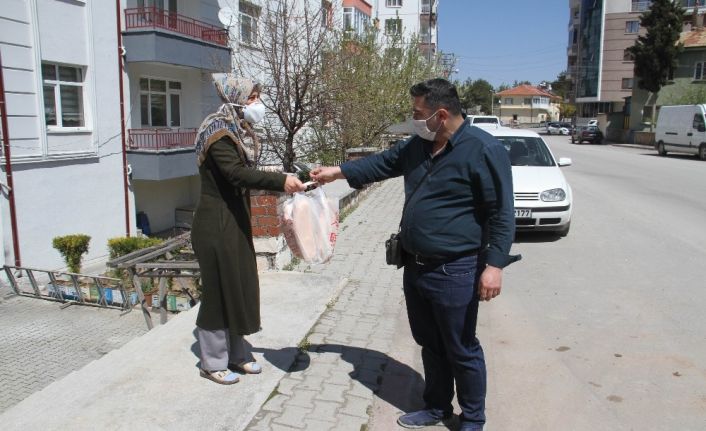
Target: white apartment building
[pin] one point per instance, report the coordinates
(71, 173)
(409, 18)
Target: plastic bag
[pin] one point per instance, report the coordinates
(309, 222)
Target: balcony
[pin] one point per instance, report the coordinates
(161, 154)
(689, 4)
(640, 6)
(157, 35)
(426, 8)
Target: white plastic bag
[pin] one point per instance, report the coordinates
(309, 222)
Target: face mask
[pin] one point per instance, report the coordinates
(420, 126)
(254, 112)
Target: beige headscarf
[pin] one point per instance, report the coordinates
(234, 92)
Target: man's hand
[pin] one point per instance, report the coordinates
(292, 184)
(491, 281)
(326, 174)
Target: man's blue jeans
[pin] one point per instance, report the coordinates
(442, 306)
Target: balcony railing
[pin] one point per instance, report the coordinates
(160, 139)
(641, 6)
(692, 3)
(152, 17)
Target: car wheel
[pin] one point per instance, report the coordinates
(565, 230)
(702, 152)
(660, 149)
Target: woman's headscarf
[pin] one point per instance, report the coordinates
(234, 92)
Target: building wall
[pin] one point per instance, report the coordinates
(409, 13)
(159, 199)
(67, 181)
(615, 68)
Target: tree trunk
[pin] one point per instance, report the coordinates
(288, 161)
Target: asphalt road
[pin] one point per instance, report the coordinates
(606, 328)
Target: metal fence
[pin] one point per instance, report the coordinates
(152, 17)
(160, 139)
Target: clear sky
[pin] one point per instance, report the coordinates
(505, 40)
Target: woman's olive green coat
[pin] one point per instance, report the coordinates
(221, 236)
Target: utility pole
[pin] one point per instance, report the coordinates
(431, 12)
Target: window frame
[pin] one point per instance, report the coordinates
(629, 24)
(56, 83)
(398, 30)
(699, 71)
(251, 11)
(627, 83)
(168, 101)
(393, 3)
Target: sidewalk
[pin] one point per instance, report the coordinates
(153, 383)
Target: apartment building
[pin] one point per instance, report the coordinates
(409, 18)
(600, 33)
(357, 16)
(76, 167)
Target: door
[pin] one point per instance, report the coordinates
(698, 132)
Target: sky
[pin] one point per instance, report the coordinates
(503, 41)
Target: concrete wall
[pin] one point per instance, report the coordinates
(409, 13)
(70, 180)
(614, 68)
(159, 199)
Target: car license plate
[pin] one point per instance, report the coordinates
(523, 213)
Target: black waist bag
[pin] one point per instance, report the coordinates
(394, 254)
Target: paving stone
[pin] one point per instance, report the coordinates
(301, 398)
(356, 406)
(331, 392)
(292, 416)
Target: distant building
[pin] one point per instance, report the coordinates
(526, 104)
(357, 15)
(408, 18)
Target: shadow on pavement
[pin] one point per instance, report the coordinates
(390, 380)
(535, 237)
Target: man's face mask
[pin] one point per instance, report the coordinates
(420, 126)
(254, 112)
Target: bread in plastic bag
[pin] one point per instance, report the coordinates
(309, 222)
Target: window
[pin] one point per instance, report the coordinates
(160, 103)
(393, 26)
(698, 122)
(355, 20)
(632, 26)
(627, 84)
(393, 3)
(326, 14)
(63, 95)
(508, 101)
(699, 71)
(528, 100)
(249, 13)
(627, 55)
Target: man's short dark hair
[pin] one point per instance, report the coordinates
(438, 93)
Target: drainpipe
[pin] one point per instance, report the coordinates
(122, 117)
(8, 170)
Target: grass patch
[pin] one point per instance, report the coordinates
(273, 394)
(291, 265)
(347, 211)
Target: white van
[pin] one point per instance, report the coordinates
(487, 121)
(681, 129)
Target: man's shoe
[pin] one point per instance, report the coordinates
(424, 418)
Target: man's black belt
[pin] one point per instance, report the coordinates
(440, 260)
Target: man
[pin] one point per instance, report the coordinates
(457, 228)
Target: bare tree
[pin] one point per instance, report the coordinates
(286, 52)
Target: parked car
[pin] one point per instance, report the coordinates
(484, 121)
(591, 134)
(543, 198)
(593, 122)
(681, 129)
(558, 128)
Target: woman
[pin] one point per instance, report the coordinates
(221, 234)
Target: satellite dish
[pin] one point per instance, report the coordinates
(227, 16)
(223, 4)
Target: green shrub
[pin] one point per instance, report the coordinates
(124, 245)
(72, 248)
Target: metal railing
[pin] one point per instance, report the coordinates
(152, 17)
(692, 3)
(641, 6)
(70, 288)
(160, 139)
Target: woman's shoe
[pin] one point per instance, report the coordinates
(247, 367)
(223, 377)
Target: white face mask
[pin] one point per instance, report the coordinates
(254, 112)
(420, 126)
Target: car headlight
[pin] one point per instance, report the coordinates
(553, 195)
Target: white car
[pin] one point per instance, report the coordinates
(558, 129)
(543, 199)
(484, 121)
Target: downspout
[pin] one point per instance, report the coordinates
(122, 117)
(8, 170)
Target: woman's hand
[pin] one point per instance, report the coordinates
(326, 174)
(292, 184)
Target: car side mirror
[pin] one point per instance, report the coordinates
(564, 161)
(701, 128)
